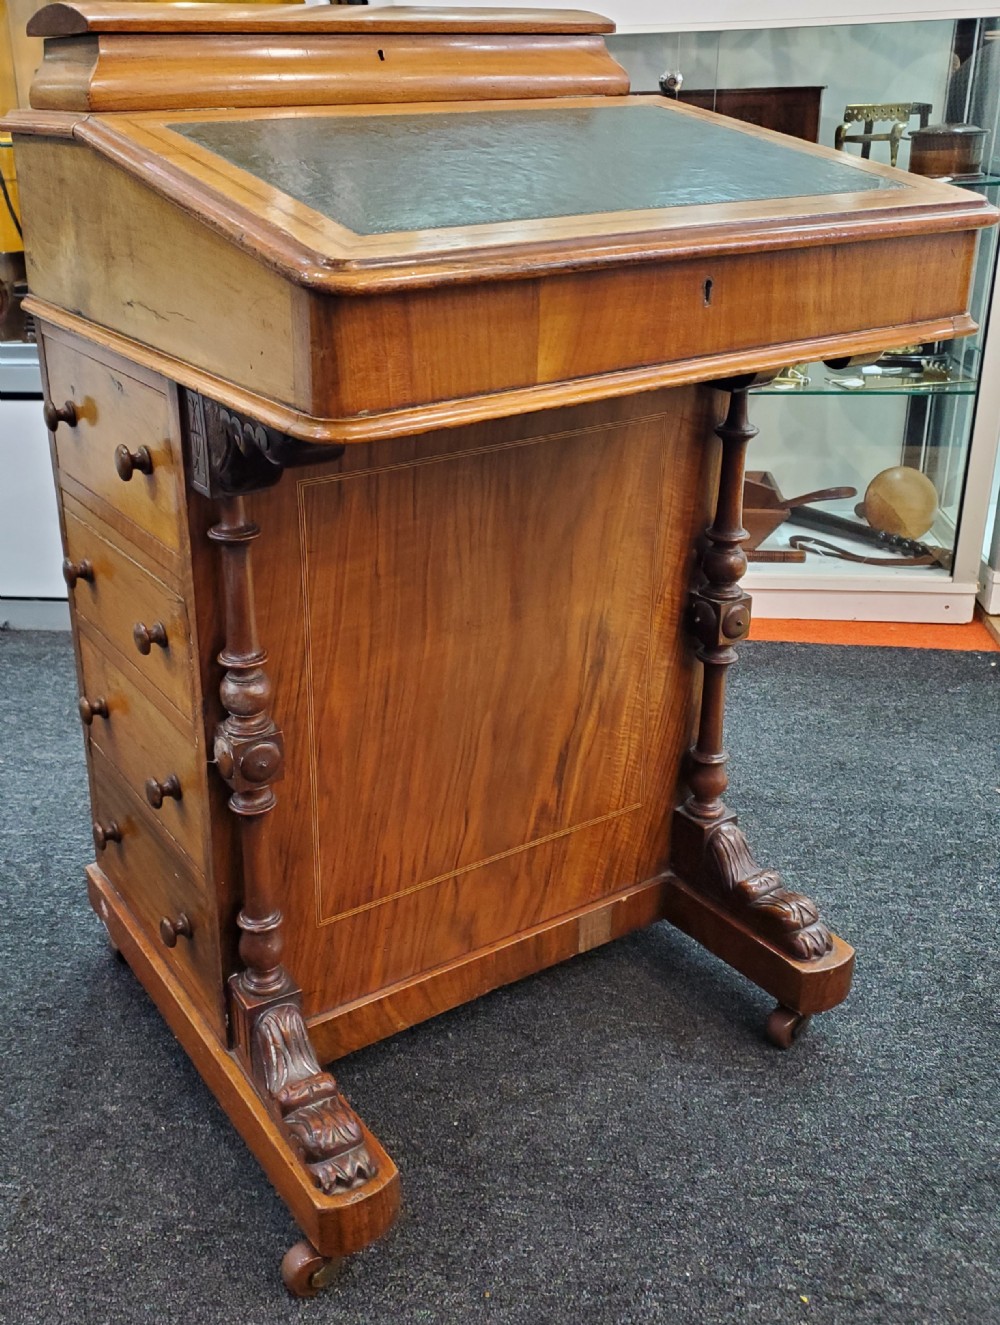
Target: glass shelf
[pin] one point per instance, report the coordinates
(818, 380)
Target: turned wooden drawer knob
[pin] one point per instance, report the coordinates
(157, 791)
(105, 833)
(172, 930)
(127, 462)
(91, 709)
(53, 415)
(146, 636)
(77, 570)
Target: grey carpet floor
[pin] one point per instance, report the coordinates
(609, 1141)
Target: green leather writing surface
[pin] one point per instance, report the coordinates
(377, 174)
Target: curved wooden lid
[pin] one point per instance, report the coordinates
(87, 16)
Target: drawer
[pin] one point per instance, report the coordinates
(158, 886)
(114, 411)
(120, 596)
(144, 744)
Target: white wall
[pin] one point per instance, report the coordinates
(675, 16)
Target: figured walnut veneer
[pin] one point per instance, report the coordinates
(495, 691)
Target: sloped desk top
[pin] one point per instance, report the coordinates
(539, 252)
(408, 172)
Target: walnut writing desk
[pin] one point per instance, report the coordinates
(385, 477)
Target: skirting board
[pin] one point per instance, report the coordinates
(989, 590)
(953, 605)
(34, 614)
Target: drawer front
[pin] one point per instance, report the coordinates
(121, 598)
(143, 744)
(116, 411)
(158, 886)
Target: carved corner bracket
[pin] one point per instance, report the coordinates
(229, 453)
(269, 1032)
(710, 851)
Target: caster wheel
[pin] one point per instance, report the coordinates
(305, 1271)
(784, 1026)
(115, 951)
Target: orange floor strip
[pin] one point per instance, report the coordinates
(895, 634)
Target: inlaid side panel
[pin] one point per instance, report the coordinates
(488, 730)
(477, 640)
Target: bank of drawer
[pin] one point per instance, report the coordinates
(114, 410)
(143, 744)
(119, 596)
(156, 882)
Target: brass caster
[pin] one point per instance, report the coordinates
(305, 1271)
(784, 1026)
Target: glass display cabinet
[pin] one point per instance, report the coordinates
(894, 457)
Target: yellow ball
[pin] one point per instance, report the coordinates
(901, 501)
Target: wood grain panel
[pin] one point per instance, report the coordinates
(478, 627)
(598, 506)
(135, 72)
(682, 310)
(429, 346)
(115, 409)
(98, 16)
(164, 283)
(142, 743)
(400, 350)
(123, 592)
(396, 1007)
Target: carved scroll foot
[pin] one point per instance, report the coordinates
(788, 920)
(321, 1127)
(744, 914)
(717, 859)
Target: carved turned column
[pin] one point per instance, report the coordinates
(269, 1032)
(709, 849)
(249, 755)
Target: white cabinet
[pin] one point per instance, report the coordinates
(30, 547)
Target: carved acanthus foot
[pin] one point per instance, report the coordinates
(788, 920)
(322, 1125)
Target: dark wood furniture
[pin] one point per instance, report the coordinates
(443, 703)
(791, 110)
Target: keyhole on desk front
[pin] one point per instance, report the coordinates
(708, 292)
(381, 55)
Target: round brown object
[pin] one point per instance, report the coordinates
(901, 501)
(947, 151)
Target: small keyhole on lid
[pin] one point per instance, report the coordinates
(381, 55)
(708, 292)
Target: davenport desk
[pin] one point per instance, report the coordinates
(397, 367)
